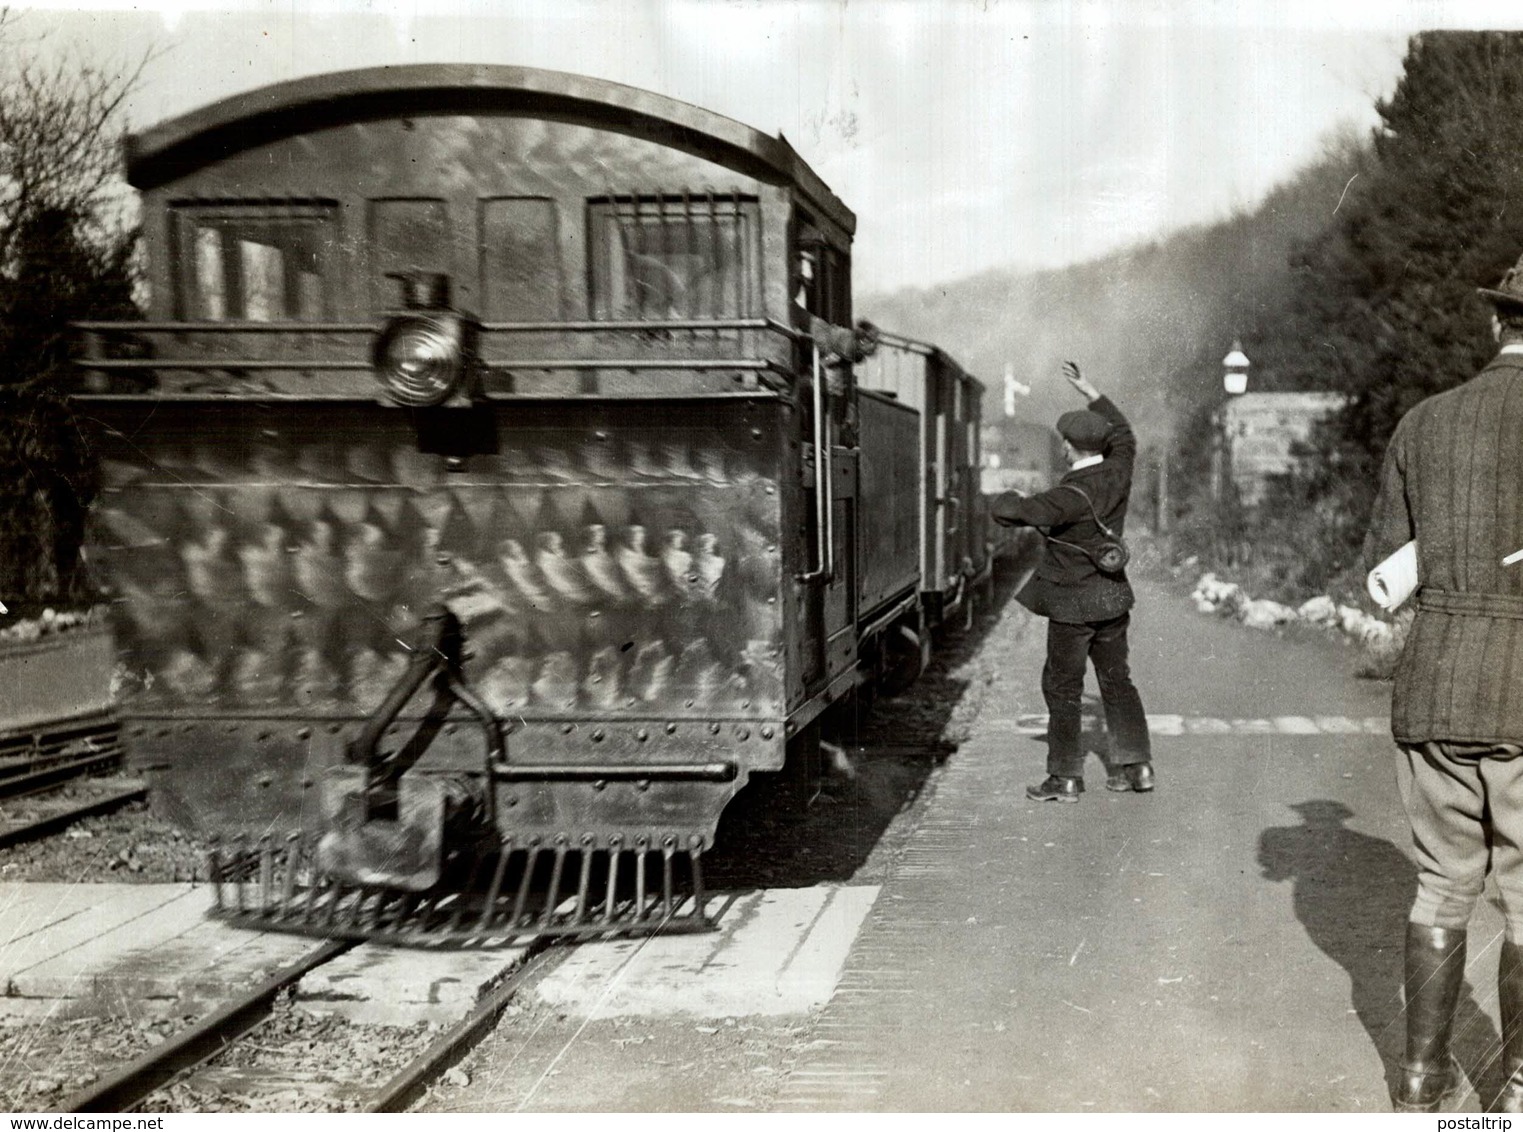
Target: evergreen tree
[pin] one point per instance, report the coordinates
(1384, 307)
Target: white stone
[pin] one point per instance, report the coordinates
(1319, 610)
(1265, 614)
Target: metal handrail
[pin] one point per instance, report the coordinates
(580, 326)
(333, 365)
(824, 511)
(340, 365)
(912, 345)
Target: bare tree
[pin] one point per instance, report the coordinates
(65, 247)
(60, 125)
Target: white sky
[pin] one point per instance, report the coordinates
(965, 134)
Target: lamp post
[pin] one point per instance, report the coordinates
(1235, 365)
(1234, 382)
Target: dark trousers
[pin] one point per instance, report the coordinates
(1069, 650)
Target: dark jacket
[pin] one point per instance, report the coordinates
(1067, 586)
(1453, 480)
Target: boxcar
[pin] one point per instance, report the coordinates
(954, 534)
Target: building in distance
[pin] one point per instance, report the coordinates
(1260, 433)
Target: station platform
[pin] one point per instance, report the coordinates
(1229, 942)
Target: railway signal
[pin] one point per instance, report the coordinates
(1012, 387)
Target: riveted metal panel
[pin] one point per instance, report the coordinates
(906, 374)
(607, 561)
(261, 775)
(285, 556)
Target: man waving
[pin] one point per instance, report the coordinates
(1087, 603)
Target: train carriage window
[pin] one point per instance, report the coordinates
(211, 288)
(672, 257)
(823, 283)
(257, 262)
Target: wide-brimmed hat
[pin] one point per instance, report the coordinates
(1509, 292)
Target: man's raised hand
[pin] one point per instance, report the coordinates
(1079, 381)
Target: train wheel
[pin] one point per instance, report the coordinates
(906, 652)
(786, 793)
(803, 769)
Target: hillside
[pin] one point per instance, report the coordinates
(1139, 321)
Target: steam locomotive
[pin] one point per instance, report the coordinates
(498, 485)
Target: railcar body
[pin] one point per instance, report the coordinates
(634, 551)
(954, 526)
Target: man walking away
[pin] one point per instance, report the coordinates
(1453, 480)
(1087, 608)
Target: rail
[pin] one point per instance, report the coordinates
(913, 345)
(129, 1086)
(49, 756)
(94, 331)
(409, 1083)
(39, 764)
(339, 365)
(52, 822)
(162, 326)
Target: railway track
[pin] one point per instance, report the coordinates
(36, 758)
(50, 778)
(48, 812)
(196, 1049)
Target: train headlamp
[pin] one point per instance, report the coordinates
(422, 360)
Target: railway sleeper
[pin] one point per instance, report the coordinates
(571, 886)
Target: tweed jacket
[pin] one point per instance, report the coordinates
(1453, 480)
(1066, 585)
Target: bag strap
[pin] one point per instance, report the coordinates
(1106, 531)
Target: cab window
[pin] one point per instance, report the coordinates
(673, 257)
(255, 262)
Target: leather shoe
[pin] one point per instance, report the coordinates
(1136, 776)
(1055, 788)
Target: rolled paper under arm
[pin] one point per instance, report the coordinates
(1393, 581)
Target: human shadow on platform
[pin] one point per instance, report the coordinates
(770, 836)
(1352, 893)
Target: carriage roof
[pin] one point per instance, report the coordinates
(172, 149)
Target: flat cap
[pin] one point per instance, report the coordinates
(1084, 429)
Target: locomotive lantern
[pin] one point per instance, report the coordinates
(487, 655)
(426, 356)
(421, 359)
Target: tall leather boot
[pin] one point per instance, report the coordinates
(1435, 968)
(1510, 1004)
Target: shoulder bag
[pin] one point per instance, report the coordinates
(1110, 555)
